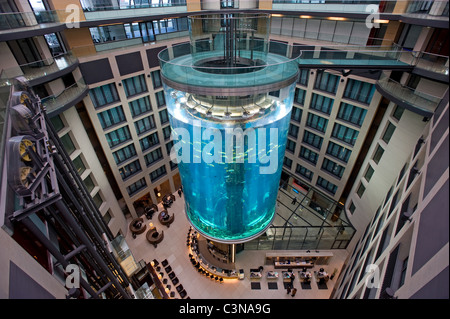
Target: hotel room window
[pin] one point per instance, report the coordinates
(140, 106)
(135, 85)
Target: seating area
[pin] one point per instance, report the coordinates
(154, 237)
(168, 200)
(150, 210)
(165, 218)
(137, 226)
(180, 240)
(175, 281)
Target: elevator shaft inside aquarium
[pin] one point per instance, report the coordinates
(229, 102)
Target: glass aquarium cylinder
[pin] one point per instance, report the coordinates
(229, 101)
(230, 169)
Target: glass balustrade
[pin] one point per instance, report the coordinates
(90, 7)
(38, 19)
(118, 44)
(432, 62)
(435, 8)
(34, 70)
(122, 11)
(65, 98)
(186, 70)
(416, 99)
(344, 6)
(355, 56)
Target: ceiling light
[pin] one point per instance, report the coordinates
(337, 18)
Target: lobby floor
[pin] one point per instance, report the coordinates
(174, 249)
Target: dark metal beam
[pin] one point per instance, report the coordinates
(54, 251)
(85, 240)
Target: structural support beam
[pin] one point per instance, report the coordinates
(85, 240)
(54, 251)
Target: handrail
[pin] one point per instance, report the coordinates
(37, 69)
(52, 102)
(385, 78)
(168, 61)
(52, 59)
(136, 6)
(53, 96)
(419, 100)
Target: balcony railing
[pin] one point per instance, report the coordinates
(123, 11)
(431, 7)
(70, 96)
(432, 62)
(352, 55)
(40, 69)
(344, 6)
(414, 100)
(14, 20)
(111, 45)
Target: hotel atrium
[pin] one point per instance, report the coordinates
(220, 149)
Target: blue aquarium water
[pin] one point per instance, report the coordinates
(230, 197)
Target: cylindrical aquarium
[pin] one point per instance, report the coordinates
(229, 100)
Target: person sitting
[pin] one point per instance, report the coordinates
(137, 224)
(155, 234)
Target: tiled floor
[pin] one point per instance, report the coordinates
(174, 249)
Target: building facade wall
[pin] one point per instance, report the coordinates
(402, 251)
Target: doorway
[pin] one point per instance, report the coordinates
(55, 44)
(25, 51)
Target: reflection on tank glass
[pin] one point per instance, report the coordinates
(230, 199)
